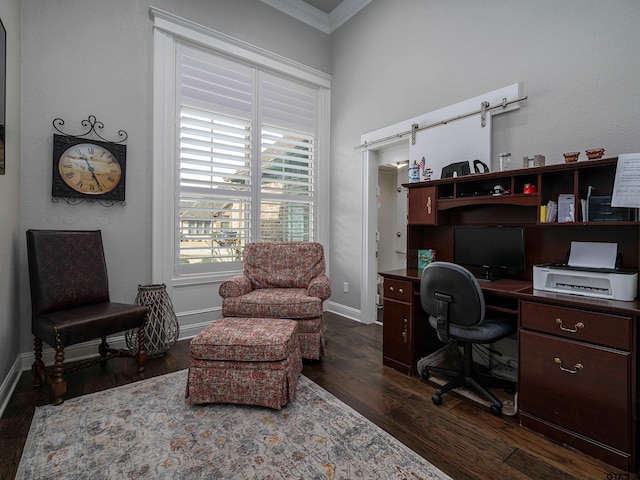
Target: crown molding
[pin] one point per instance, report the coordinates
(344, 11)
(316, 18)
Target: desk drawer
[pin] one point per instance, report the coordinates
(600, 328)
(588, 393)
(398, 290)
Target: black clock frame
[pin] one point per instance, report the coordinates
(59, 187)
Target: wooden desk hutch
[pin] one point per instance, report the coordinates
(593, 408)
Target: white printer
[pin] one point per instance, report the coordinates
(590, 271)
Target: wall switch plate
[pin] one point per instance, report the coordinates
(346, 287)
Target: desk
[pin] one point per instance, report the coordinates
(407, 336)
(578, 360)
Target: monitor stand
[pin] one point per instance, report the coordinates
(487, 276)
(484, 280)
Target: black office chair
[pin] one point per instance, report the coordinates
(452, 298)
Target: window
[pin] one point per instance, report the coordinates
(241, 152)
(247, 143)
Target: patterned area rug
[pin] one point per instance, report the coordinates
(147, 430)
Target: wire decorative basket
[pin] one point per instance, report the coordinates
(162, 329)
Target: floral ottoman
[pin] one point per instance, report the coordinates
(252, 361)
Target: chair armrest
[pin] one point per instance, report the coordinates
(235, 286)
(320, 287)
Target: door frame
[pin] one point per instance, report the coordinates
(382, 154)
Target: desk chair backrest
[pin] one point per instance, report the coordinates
(451, 294)
(66, 269)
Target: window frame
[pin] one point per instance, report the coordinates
(169, 30)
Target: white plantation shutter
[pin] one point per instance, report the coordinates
(215, 187)
(229, 114)
(287, 186)
(288, 115)
(287, 104)
(215, 83)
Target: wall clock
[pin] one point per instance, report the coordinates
(88, 169)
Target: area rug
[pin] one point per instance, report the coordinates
(147, 430)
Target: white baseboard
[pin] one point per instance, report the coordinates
(349, 312)
(9, 384)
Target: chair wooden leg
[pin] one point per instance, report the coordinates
(141, 358)
(38, 365)
(58, 384)
(104, 350)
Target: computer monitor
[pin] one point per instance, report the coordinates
(489, 252)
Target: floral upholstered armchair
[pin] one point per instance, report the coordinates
(282, 280)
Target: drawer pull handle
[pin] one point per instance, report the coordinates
(392, 289)
(578, 326)
(576, 367)
(400, 290)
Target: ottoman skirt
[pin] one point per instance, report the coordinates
(251, 361)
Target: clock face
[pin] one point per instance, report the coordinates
(89, 168)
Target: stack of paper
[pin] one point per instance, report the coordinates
(593, 255)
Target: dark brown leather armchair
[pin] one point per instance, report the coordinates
(70, 303)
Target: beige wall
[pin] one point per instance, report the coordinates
(10, 235)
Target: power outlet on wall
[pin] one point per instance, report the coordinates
(345, 287)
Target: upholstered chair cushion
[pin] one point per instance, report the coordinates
(274, 303)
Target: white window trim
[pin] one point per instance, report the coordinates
(169, 29)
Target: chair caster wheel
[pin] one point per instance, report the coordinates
(495, 410)
(425, 374)
(436, 399)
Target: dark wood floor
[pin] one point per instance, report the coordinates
(460, 438)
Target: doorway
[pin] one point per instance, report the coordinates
(391, 199)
